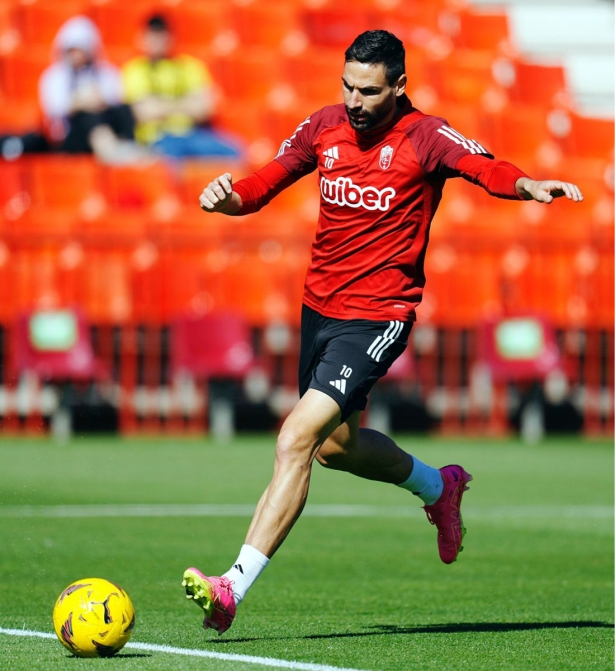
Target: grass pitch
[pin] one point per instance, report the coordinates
(533, 588)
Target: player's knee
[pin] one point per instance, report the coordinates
(293, 444)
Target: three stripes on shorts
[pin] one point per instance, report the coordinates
(381, 343)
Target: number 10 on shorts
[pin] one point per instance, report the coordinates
(346, 371)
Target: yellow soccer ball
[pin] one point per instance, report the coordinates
(93, 618)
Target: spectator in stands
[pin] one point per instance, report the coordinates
(172, 98)
(81, 98)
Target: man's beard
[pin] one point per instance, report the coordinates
(370, 119)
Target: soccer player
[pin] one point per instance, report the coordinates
(382, 166)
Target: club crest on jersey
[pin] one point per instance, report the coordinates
(386, 156)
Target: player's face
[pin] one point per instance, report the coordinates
(369, 98)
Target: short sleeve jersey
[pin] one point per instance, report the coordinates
(379, 191)
(169, 78)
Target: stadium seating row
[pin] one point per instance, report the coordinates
(41, 194)
(263, 279)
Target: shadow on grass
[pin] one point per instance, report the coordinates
(452, 628)
(120, 655)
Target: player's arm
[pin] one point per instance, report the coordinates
(505, 180)
(218, 196)
(545, 191)
(295, 159)
(249, 194)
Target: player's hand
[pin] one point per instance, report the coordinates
(546, 190)
(218, 196)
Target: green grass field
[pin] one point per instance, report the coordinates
(533, 588)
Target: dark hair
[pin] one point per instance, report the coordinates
(379, 46)
(158, 23)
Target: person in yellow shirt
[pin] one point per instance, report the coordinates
(172, 99)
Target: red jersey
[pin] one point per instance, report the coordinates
(379, 192)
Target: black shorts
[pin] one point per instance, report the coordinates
(344, 358)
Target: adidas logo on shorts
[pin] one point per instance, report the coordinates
(340, 385)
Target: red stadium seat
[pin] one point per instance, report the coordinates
(214, 345)
(54, 344)
(519, 347)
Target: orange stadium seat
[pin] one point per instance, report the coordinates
(336, 26)
(462, 284)
(413, 21)
(19, 116)
(234, 119)
(105, 286)
(120, 22)
(35, 279)
(257, 289)
(464, 76)
(41, 225)
(197, 25)
(40, 20)
(62, 180)
(21, 71)
(516, 132)
(265, 23)
(586, 137)
(241, 75)
(544, 284)
(477, 30)
(315, 74)
(536, 84)
(137, 186)
(280, 123)
(113, 227)
(12, 186)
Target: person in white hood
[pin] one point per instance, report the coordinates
(81, 96)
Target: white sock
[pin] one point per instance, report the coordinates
(424, 482)
(244, 572)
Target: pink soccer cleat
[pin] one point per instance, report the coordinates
(214, 595)
(445, 513)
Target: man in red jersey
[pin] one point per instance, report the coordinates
(382, 166)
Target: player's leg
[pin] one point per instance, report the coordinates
(372, 455)
(366, 453)
(313, 419)
(311, 422)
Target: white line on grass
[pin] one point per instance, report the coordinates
(187, 652)
(314, 510)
